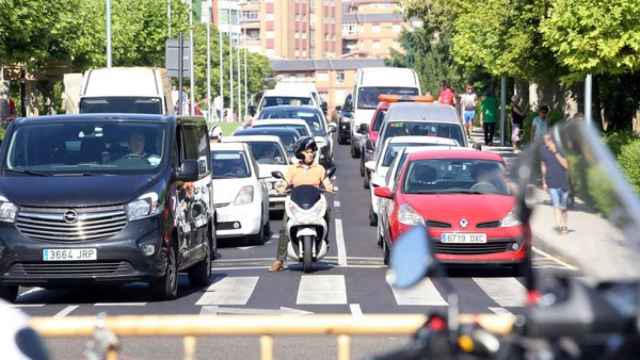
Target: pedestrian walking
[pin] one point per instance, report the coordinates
(517, 118)
(468, 101)
(489, 106)
(447, 95)
(555, 180)
(540, 124)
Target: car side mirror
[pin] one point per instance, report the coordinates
(332, 128)
(277, 174)
(331, 171)
(188, 171)
(383, 192)
(370, 165)
(363, 129)
(411, 258)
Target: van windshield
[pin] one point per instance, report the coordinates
(86, 148)
(286, 100)
(368, 96)
(121, 105)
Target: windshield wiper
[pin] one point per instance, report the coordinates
(30, 172)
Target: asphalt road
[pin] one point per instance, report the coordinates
(349, 281)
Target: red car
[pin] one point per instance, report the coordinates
(372, 136)
(464, 200)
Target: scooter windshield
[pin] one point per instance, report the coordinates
(305, 196)
(583, 215)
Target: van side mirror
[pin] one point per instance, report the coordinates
(188, 171)
(277, 174)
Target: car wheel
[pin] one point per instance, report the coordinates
(9, 293)
(373, 218)
(166, 286)
(354, 151)
(385, 250)
(342, 140)
(261, 237)
(213, 253)
(365, 182)
(200, 273)
(362, 171)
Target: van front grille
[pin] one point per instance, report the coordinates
(71, 224)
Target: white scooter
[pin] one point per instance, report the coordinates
(307, 228)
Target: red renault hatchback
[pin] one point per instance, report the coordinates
(466, 202)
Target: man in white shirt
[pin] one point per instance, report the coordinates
(468, 101)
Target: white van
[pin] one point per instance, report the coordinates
(139, 90)
(299, 87)
(370, 83)
(286, 96)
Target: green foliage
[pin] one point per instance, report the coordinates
(594, 36)
(629, 158)
(616, 140)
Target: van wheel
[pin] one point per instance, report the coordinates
(342, 140)
(362, 166)
(9, 293)
(213, 251)
(166, 286)
(354, 151)
(200, 273)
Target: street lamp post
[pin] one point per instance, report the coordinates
(169, 17)
(191, 80)
(108, 26)
(588, 83)
(220, 51)
(230, 71)
(239, 81)
(246, 88)
(209, 64)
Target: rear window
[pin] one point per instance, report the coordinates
(286, 100)
(229, 164)
(267, 153)
(312, 117)
(421, 128)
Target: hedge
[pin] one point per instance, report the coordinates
(629, 160)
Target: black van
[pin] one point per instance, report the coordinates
(105, 198)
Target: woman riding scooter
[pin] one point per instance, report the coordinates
(305, 172)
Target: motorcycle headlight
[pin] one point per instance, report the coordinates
(510, 220)
(143, 207)
(7, 210)
(407, 215)
(245, 195)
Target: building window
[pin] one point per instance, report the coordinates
(376, 28)
(376, 44)
(269, 8)
(322, 76)
(340, 76)
(269, 25)
(270, 44)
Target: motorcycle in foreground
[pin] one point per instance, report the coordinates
(588, 308)
(307, 228)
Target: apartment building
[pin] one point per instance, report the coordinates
(293, 29)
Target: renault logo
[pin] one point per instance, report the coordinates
(71, 217)
(464, 223)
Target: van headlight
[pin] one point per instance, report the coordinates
(7, 210)
(510, 220)
(407, 215)
(245, 195)
(143, 207)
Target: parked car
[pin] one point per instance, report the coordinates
(288, 137)
(140, 90)
(316, 121)
(271, 156)
(106, 199)
(464, 199)
(377, 170)
(345, 117)
(371, 82)
(242, 201)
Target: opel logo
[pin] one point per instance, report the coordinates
(464, 223)
(71, 217)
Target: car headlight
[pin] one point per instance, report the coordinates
(407, 215)
(245, 195)
(510, 220)
(7, 210)
(143, 207)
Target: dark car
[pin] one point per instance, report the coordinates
(102, 198)
(316, 121)
(288, 137)
(345, 116)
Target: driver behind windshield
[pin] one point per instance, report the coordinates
(305, 172)
(136, 146)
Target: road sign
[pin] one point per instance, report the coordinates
(171, 58)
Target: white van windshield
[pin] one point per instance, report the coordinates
(368, 96)
(122, 105)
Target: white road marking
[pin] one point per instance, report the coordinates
(229, 291)
(242, 260)
(500, 311)
(506, 292)
(423, 294)
(545, 254)
(322, 289)
(245, 247)
(245, 311)
(66, 311)
(342, 249)
(336, 203)
(356, 311)
(121, 304)
(26, 305)
(238, 268)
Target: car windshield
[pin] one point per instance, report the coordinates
(286, 100)
(394, 149)
(312, 117)
(229, 164)
(267, 153)
(420, 128)
(123, 105)
(368, 96)
(377, 122)
(301, 129)
(86, 147)
(455, 176)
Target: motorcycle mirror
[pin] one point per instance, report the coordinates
(277, 174)
(331, 171)
(411, 258)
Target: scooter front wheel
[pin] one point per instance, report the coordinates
(307, 264)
